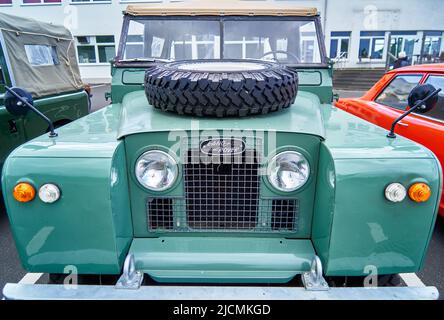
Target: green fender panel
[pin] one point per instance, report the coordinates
(84, 228)
(367, 230)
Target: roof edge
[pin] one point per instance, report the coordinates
(226, 8)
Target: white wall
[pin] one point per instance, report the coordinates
(93, 19)
(382, 15)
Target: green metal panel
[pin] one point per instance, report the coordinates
(350, 137)
(124, 81)
(84, 228)
(62, 107)
(324, 204)
(367, 229)
(91, 136)
(222, 260)
(137, 144)
(68, 106)
(9, 138)
(304, 116)
(317, 81)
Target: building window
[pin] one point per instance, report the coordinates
(95, 49)
(5, 2)
(396, 93)
(41, 1)
(339, 44)
(403, 41)
(432, 45)
(371, 44)
(88, 1)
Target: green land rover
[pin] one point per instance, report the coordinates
(221, 170)
(40, 58)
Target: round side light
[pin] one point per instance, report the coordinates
(420, 192)
(49, 193)
(23, 192)
(395, 192)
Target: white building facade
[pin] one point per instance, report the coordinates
(358, 33)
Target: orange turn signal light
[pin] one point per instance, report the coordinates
(420, 192)
(24, 192)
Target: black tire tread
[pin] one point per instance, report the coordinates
(221, 94)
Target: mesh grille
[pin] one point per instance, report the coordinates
(283, 214)
(160, 213)
(222, 195)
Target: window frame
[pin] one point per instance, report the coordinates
(317, 22)
(339, 39)
(372, 36)
(53, 51)
(423, 81)
(396, 75)
(41, 3)
(96, 46)
(73, 2)
(6, 4)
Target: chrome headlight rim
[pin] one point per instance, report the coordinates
(272, 160)
(171, 158)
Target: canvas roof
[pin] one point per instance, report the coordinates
(220, 8)
(18, 34)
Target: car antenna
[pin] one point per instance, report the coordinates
(418, 104)
(24, 102)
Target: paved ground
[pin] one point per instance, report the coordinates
(11, 270)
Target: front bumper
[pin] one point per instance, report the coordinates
(129, 287)
(62, 292)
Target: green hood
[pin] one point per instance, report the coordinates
(304, 116)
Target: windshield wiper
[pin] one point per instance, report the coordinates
(145, 60)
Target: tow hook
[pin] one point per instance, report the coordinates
(130, 278)
(313, 279)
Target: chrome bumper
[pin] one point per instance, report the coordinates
(62, 292)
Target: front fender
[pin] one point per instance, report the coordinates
(89, 227)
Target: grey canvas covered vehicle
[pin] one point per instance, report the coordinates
(39, 58)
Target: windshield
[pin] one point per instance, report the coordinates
(286, 41)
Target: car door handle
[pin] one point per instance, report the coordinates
(403, 124)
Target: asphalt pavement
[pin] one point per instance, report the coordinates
(12, 271)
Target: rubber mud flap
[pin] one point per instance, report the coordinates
(221, 88)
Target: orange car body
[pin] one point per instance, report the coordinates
(424, 129)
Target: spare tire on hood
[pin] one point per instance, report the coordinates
(221, 88)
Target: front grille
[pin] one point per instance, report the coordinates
(283, 214)
(160, 213)
(222, 195)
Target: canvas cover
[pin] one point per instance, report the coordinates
(219, 8)
(41, 57)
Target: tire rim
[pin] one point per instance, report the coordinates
(222, 66)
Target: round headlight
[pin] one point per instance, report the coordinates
(288, 171)
(156, 170)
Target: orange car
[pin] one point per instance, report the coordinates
(387, 100)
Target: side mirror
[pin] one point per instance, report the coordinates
(422, 98)
(19, 101)
(419, 93)
(14, 105)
